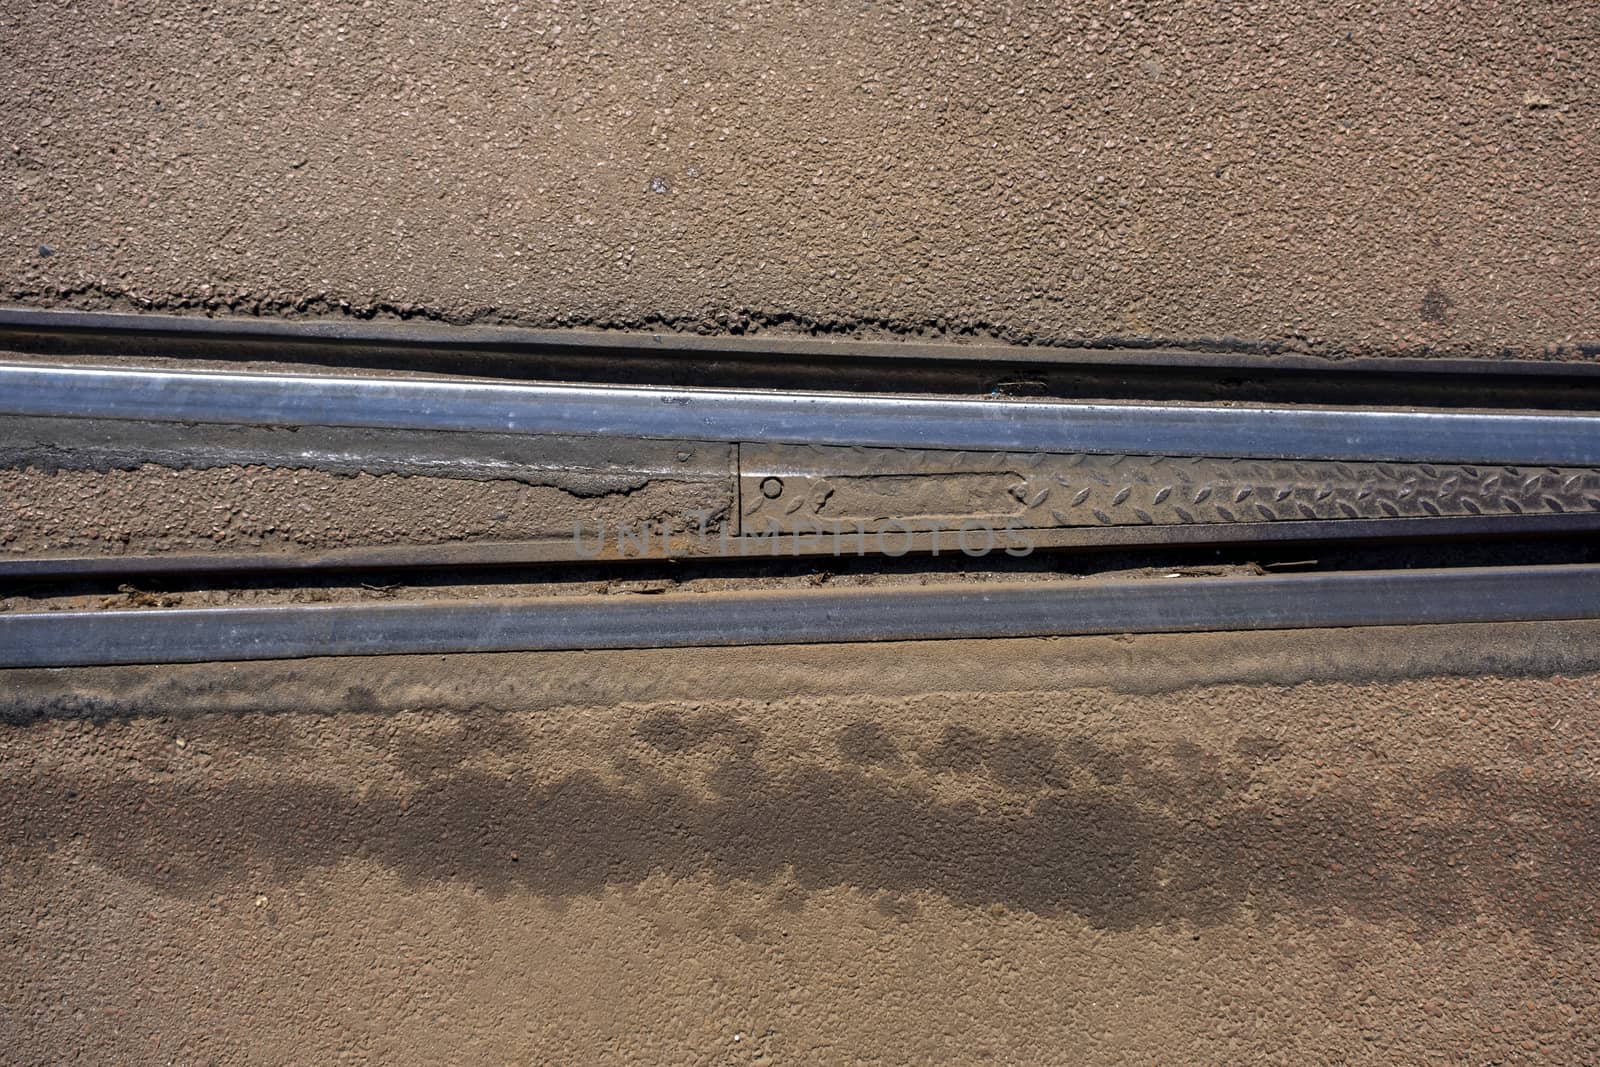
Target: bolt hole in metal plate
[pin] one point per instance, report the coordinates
(867, 488)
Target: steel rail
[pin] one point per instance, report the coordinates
(1365, 598)
(802, 417)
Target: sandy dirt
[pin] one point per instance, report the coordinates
(1403, 177)
(155, 509)
(1010, 852)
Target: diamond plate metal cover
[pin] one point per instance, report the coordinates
(802, 487)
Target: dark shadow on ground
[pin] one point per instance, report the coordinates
(1123, 838)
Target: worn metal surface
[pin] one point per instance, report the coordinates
(46, 639)
(793, 487)
(806, 418)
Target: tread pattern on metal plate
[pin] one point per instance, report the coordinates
(849, 486)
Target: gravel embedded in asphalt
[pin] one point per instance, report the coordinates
(1398, 178)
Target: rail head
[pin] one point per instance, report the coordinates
(769, 416)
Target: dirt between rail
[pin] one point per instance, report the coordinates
(1398, 177)
(1012, 852)
(237, 509)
